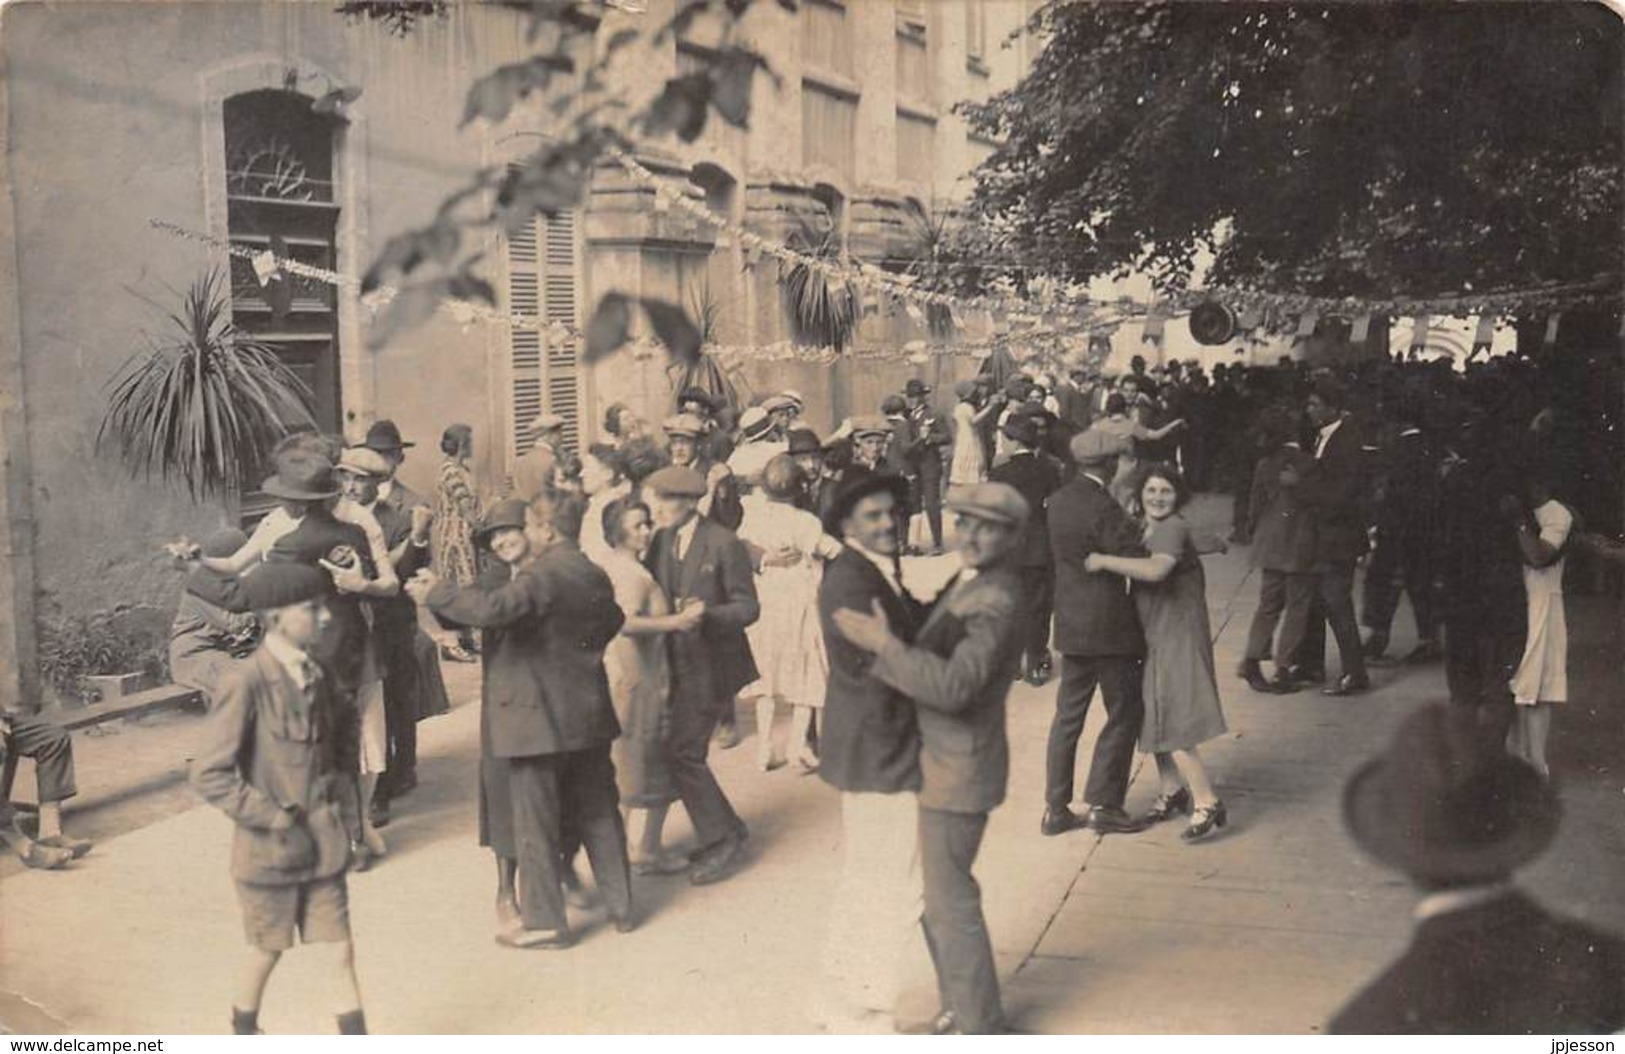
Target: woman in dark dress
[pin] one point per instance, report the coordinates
(1182, 707)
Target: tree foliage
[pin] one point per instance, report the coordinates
(1334, 149)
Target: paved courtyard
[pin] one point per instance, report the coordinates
(1265, 928)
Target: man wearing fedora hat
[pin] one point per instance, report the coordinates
(869, 750)
(537, 470)
(958, 672)
(384, 438)
(1098, 634)
(1035, 477)
(1447, 807)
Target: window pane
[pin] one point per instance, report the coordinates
(916, 149)
(826, 37)
(829, 129)
(913, 67)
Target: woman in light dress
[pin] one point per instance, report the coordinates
(968, 464)
(603, 481)
(640, 682)
(786, 640)
(1182, 708)
(1541, 681)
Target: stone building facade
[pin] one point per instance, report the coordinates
(199, 115)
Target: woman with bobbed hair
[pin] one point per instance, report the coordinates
(1182, 708)
(603, 481)
(621, 425)
(456, 515)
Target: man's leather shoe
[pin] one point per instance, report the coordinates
(1283, 684)
(1060, 821)
(378, 812)
(77, 846)
(1037, 677)
(1348, 684)
(1253, 674)
(1305, 675)
(1375, 646)
(1107, 820)
(407, 783)
(726, 736)
(624, 923)
(1427, 651)
(719, 862)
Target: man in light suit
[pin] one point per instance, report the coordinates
(547, 716)
(1097, 632)
(702, 565)
(958, 674)
(537, 469)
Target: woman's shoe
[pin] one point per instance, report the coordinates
(1166, 806)
(1204, 820)
(456, 653)
(807, 763)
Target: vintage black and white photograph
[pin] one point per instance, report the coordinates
(812, 517)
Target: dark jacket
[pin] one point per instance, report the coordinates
(1094, 614)
(958, 674)
(544, 686)
(869, 740)
(1333, 490)
(1505, 966)
(342, 647)
(267, 747)
(1475, 553)
(1036, 477)
(394, 618)
(1283, 530)
(1408, 495)
(711, 664)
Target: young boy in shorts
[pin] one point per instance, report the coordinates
(277, 760)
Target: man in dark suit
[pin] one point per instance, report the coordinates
(1035, 477)
(869, 750)
(958, 674)
(1447, 807)
(1332, 490)
(1283, 536)
(384, 437)
(1097, 632)
(702, 565)
(1405, 506)
(547, 716)
(930, 436)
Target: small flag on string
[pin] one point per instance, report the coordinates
(1484, 335)
(1419, 334)
(1552, 322)
(265, 266)
(1152, 333)
(913, 310)
(753, 254)
(1307, 322)
(1360, 329)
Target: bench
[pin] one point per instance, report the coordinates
(136, 704)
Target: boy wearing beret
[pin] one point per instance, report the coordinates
(273, 759)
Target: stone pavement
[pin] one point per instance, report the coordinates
(1266, 928)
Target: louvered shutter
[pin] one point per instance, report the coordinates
(542, 281)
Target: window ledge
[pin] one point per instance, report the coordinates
(832, 82)
(920, 111)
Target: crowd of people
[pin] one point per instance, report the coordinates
(622, 598)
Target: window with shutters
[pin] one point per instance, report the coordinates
(914, 80)
(916, 148)
(826, 37)
(829, 128)
(545, 371)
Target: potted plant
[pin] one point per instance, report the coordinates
(205, 403)
(824, 310)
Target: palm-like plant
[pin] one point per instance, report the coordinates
(928, 254)
(205, 403)
(824, 310)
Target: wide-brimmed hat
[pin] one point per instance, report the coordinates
(1446, 805)
(677, 481)
(1094, 447)
(854, 490)
(870, 425)
(803, 441)
(683, 425)
(384, 437)
(510, 512)
(270, 586)
(363, 461)
(754, 423)
(916, 387)
(301, 476)
(774, 403)
(998, 502)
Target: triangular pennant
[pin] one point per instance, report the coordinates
(1552, 322)
(1360, 329)
(1484, 335)
(1419, 333)
(1307, 322)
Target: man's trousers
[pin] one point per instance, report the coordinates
(955, 929)
(1285, 599)
(1118, 677)
(877, 898)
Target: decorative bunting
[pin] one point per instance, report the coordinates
(1419, 332)
(1360, 329)
(1552, 322)
(1307, 321)
(1484, 335)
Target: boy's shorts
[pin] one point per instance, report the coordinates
(320, 910)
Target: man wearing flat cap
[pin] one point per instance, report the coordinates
(1448, 808)
(1035, 477)
(958, 672)
(687, 444)
(1098, 634)
(702, 567)
(537, 470)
